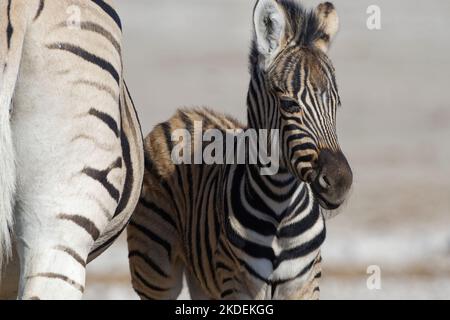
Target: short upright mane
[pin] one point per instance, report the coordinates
(303, 27)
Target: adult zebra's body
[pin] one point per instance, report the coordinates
(71, 163)
(235, 232)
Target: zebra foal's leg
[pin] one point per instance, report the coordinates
(9, 280)
(195, 290)
(156, 268)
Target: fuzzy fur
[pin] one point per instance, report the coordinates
(10, 53)
(7, 181)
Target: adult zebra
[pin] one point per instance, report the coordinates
(71, 164)
(238, 234)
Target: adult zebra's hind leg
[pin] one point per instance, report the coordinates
(56, 231)
(48, 273)
(53, 256)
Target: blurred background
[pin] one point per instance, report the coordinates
(394, 128)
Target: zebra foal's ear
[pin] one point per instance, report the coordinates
(329, 23)
(270, 24)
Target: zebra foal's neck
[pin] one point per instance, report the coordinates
(275, 196)
(278, 197)
(262, 112)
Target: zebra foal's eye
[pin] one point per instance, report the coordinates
(290, 105)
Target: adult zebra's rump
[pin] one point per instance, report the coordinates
(75, 135)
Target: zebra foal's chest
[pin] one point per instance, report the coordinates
(276, 236)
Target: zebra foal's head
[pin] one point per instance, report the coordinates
(290, 51)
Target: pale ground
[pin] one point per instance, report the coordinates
(394, 127)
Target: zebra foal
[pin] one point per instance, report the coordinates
(235, 233)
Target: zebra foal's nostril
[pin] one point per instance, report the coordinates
(335, 176)
(324, 182)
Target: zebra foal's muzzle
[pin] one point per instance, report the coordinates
(332, 179)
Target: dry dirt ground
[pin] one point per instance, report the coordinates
(394, 127)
